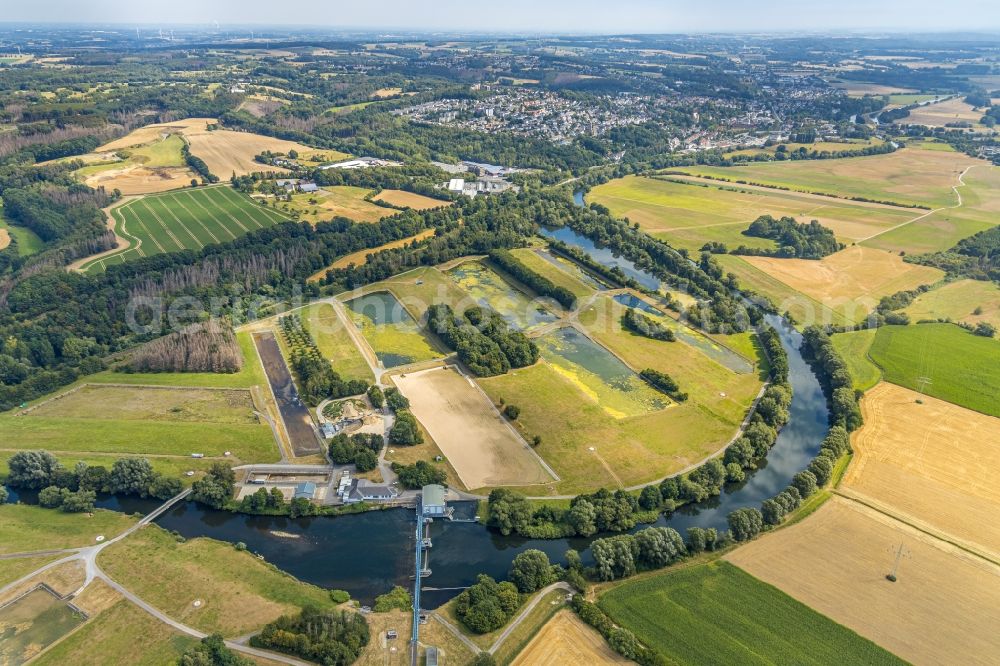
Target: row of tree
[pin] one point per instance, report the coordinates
(334, 637)
(664, 383)
(317, 378)
(538, 283)
(835, 377)
(40, 470)
(637, 322)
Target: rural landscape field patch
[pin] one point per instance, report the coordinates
(716, 613)
(849, 282)
(941, 360)
(393, 334)
(914, 456)
(689, 214)
(941, 609)
(908, 176)
(185, 220)
(477, 441)
(969, 301)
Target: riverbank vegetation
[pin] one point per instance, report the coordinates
(326, 637)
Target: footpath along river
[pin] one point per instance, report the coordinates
(367, 553)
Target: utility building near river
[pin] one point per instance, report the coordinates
(432, 501)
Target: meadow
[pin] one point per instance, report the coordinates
(114, 632)
(941, 229)
(969, 301)
(716, 613)
(403, 199)
(849, 282)
(239, 593)
(910, 176)
(335, 201)
(155, 166)
(26, 527)
(853, 347)
(942, 608)
(188, 219)
(958, 366)
(28, 241)
(688, 214)
(938, 114)
(334, 342)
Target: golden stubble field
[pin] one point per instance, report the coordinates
(850, 281)
(942, 610)
(939, 114)
(480, 445)
(565, 639)
(935, 465)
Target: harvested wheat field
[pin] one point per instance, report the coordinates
(942, 609)
(403, 199)
(4, 238)
(478, 442)
(138, 179)
(226, 151)
(149, 133)
(360, 257)
(566, 639)
(953, 110)
(850, 281)
(935, 465)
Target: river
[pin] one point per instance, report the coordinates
(367, 553)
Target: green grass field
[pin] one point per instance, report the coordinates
(111, 637)
(959, 301)
(184, 220)
(853, 347)
(28, 241)
(560, 277)
(334, 342)
(718, 614)
(239, 592)
(961, 367)
(688, 215)
(25, 528)
(942, 229)
(909, 176)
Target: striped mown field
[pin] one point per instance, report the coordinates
(183, 220)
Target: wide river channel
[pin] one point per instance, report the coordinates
(367, 553)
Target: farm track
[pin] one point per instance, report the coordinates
(954, 188)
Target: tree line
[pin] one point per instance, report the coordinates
(637, 322)
(538, 283)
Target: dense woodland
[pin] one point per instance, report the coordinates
(208, 346)
(794, 239)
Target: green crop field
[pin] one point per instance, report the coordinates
(958, 366)
(718, 614)
(184, 220)
(853, 347)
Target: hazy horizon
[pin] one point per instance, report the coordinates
(524, 16)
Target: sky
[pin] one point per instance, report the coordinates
(532, 16)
